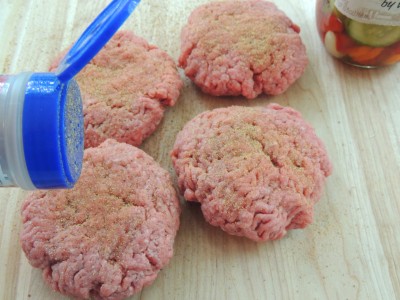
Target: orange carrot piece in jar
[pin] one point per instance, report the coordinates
(392, 59)
(364, 53)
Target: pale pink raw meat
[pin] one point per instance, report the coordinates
(257, 171)
(111, 234)
(242, 48)
(125, 90)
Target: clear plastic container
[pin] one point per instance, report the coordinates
(13, 170)
(364, 33)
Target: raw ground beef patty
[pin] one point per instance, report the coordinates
(242, 48)
(110, 235)
(125, 90)
(257, 171)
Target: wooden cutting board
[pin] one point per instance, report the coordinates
(351, 251)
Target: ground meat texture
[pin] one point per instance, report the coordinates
(242, 48)
(257, 171)
(125, 90)
(110, 235)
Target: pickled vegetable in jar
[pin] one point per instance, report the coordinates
(364, 33)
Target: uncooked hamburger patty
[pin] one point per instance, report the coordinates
(110, 235)
(242, 48)
(125, 90)
(257, 172)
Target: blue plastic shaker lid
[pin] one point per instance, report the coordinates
(95, 37)
(52, 131)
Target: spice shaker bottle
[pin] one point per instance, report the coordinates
(41, 118)
(364, 33)
(41, 131)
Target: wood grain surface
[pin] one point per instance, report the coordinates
(351, 251)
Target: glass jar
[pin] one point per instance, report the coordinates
(364, 33)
